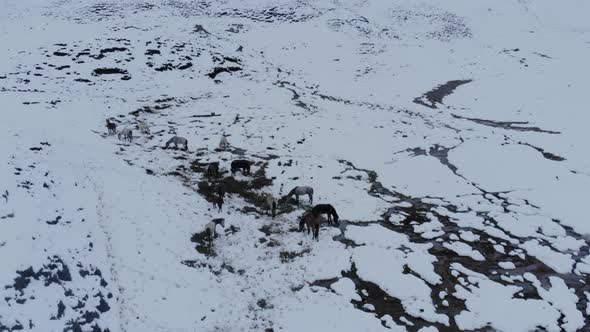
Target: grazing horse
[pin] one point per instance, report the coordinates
(242, 165)
(143, 128)
(126, 134)
(301, 190)
(218, 200)
(177, 140)
(111, 127)
(326, 209)
(223, 143)
(312, 222)
(270, 203)
(210, 228)
(213, 169)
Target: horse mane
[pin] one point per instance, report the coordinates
(334, 214)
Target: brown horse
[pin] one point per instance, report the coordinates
(312, 222)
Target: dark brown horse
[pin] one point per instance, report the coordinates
(240, 165)
(111, 127)
(326, 209)
(213, 169)
(218, 200)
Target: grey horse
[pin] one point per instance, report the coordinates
(126, 134)
(177, 140)
(301, 190)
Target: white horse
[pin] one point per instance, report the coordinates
(223, 143)
(177, 140)
(301, 190)
(271, 204)
(211, 226)
(143, 128)
(126, 133)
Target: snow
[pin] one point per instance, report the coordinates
(561, 298)
(428, 329)
(413, 292)
(335, 95)
(559, 262)
(346, 288)
(506, 265)
(464, 249)
(469, 236)
(500, 309)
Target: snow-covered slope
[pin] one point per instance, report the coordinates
(451, 138)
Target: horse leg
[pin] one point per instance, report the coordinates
(311, 199)
(297, 198)
(316, 232)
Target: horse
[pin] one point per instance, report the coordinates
(301, 190)
(270, 203)
(326, 209)
(143, 128)
(210, 228)
(218, 200)
(213, 169)
(177, 140)
(312, 222)
(126, 133)
(242, 165)
(223, 143)
(111, 127)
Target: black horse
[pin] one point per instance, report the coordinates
(326, 209)
(241, 165)
(213, 169)
(218, 200)
(111, 127)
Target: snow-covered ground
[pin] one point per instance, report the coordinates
(451, 138)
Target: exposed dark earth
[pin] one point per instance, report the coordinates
(449, 138)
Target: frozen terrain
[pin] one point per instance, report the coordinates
(452, 138)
